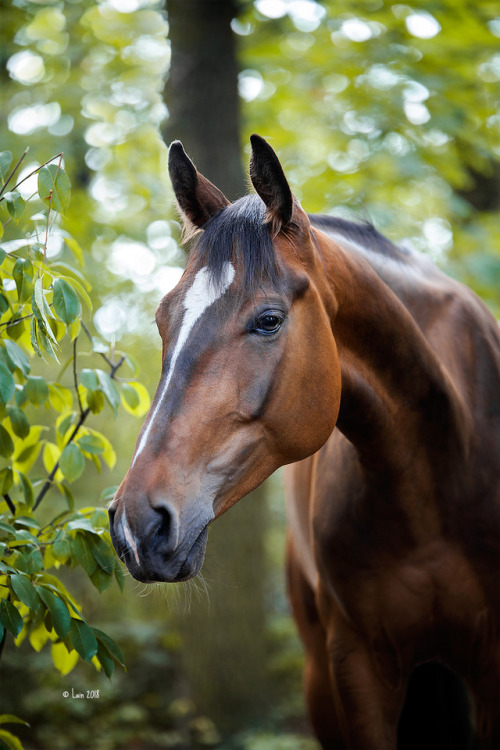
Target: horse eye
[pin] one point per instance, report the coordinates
(268, 324)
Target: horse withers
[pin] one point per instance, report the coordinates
(315, 343)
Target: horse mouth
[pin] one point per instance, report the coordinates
(166, 569)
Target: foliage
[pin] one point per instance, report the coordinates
(387, 110)
(41, 305)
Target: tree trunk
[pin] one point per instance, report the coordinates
(223, 632)
(202, 90)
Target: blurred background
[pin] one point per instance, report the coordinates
(381, 111)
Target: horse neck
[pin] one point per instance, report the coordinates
(395, 395)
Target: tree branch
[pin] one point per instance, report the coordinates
(83, 416)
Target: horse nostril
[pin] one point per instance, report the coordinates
(111, 516)
(165, 525)
(166, 531)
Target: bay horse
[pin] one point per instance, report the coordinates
(316, 343)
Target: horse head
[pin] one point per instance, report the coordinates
(250, 376)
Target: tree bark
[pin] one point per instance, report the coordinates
(202, 90)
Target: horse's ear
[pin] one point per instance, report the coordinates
(270, 183)
(197, 198)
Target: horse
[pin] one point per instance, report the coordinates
(315, 343)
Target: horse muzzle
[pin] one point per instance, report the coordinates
(158, 544)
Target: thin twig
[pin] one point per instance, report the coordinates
(9, 502)
(83, 416)
(16, 320)
(13, 173)
(30, 174)
(75, 377)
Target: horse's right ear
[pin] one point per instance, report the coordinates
(197, 198)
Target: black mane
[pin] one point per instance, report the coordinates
(240, 235)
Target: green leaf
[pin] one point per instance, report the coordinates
(5, 162)
(4, 303)
(35, 562)
(102, 553)
(101, 579)
(6, 480)
(10, 718)
(61, 618)
(19, 421)
(105, 660)
(25, 591)
(72, 462)
(83, 553)
(135, 399)
(15, 204)
(10, 617)
(36, 389)
(91, 444)
(66, 303)
(40, 309)
(23, 276)
(95, 401)
(17, 356)
(27, 488)
(109, 389)
(6, 444)
(113, 648)
(83, 639)
(10, 740)
(89, 380)
(54, 187)
(7, 385)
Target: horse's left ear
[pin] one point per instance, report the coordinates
(270, 183)
(198, 199)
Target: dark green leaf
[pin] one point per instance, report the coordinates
(10, 617)
(7, 385)
(25, 591)
(83, 639)
(102, 553)
(19, 421)
(7, 528)
(66, 303)
(4, 303)
(54, 187)
(15, 204)
(105, 659)
(72, 462)
(101, 579)
(17, 356)
(23, 276)
(60, 615)
(27, 488)
(35, 562)
(83, 553)
(6, 444)
(113, 648)
(119, 576)
(6, 480)
(5, 162)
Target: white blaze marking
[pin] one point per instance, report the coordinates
(201, 295)
(129, 537)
